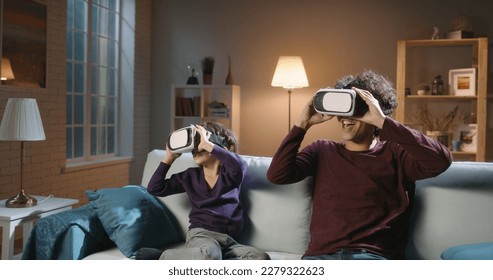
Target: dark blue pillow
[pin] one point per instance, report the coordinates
(133, 218)
(477, 251)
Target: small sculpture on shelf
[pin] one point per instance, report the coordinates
(435, 34)
(192, 79)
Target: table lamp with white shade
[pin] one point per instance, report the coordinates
(21, 122)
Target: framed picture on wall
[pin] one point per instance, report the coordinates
(467, 134)
(462, 82)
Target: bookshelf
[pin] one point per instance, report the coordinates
(195, 104)
(417, 59)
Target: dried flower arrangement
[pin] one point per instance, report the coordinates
(207, 69)
(444, 122)
(208, 65)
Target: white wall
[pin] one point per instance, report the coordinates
(334, 38)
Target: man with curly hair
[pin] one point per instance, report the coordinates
(363, 186)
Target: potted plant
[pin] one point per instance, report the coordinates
(439, 127)
(207, 69)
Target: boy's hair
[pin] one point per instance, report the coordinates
(380, 87)
(230, 140)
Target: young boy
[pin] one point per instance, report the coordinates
(213, 188)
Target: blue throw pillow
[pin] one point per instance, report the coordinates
(478, 251)
(133, 218)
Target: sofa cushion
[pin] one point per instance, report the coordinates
(272, 211)
(476, 251)
(133, 218)
(464, 193)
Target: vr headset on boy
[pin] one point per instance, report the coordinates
(187, 139)
(339, 102)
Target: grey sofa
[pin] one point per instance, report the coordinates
(451, 209)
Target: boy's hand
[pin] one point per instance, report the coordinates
(170, 157)
(204, 144)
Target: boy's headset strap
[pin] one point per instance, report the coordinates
(218, 140)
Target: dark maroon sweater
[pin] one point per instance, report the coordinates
(361, 200)
(217, 209)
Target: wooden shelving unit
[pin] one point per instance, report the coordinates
(192, 105)
(406, 71)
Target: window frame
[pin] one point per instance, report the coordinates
(88, 125)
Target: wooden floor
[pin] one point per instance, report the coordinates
(17, 246)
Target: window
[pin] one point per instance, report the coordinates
(93, 48)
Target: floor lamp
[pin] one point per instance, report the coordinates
(21, 122)
(290, 74)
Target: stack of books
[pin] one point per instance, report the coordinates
(219, 112)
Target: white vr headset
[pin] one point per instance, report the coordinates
(187, 139)
(339, 102)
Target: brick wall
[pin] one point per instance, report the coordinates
(45, 160)
(142, 98)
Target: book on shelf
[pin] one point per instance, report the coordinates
(187, 106)
(196, 106)
(178, 107)
(219, 112)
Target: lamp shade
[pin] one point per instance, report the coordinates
(7, 73)
(21, 121)
(290, 73)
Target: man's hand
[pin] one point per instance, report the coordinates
(309, 116)
(375, 115)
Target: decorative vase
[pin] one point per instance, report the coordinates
(207, 69)
(437, 86)
(423, 89)
(207, 79)
(229, 77)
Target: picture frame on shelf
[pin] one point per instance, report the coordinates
(467, 134)
(462, 82)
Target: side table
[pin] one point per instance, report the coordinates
(12, 217)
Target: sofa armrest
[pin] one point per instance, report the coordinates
(72, 234)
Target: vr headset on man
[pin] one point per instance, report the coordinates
(187, 139)
(339, 102)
